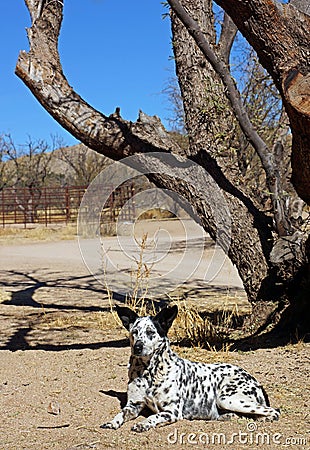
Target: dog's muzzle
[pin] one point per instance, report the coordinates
(137, 348)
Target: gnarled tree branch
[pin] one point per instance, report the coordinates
(41, 71)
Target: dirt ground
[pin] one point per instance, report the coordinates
(63, 367)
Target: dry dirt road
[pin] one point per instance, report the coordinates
(61, 352)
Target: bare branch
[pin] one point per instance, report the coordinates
(28, 165)
(227, 37)
(83, 164)
(231, 90)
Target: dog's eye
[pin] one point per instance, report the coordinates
(134, 332)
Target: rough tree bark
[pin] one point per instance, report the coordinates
(279, 33)
(252, 240)
(229, 89)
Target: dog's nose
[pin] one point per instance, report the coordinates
(138, 347)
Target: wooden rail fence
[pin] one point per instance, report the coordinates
(49, 205)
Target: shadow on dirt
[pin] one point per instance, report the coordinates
(122, 397)
(18, 341)
(41, 295)
(45, 296)
(54, 312)
(25, 296)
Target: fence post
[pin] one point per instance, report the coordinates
(45, 207)
(67, 205)
(15, 207)
(25, 209)
(3, 212)
(132, 203)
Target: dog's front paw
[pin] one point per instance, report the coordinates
(141, 427)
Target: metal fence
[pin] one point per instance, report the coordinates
(26, 206)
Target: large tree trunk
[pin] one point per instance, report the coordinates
(226, 212)
(207, 116)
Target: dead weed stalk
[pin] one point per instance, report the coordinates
(190, 327)
(138, 299)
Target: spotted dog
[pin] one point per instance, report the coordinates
(175, 388)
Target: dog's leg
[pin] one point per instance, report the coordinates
(243, 404)
(163, 417)
(133, 407)
(129, 412)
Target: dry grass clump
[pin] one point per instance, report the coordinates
(190, 329)
(94, 320)
(4, 295)
(137, 301)
(210, 356)
(21, 235)
(195, 329)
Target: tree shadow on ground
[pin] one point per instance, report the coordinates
(18, 341)
(25, 296)
(24, 286)
(272, 339)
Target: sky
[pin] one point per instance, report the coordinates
(113, 53)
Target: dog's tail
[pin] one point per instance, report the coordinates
(265, 396)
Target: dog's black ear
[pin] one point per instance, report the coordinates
(164, 319)
(127, 315)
